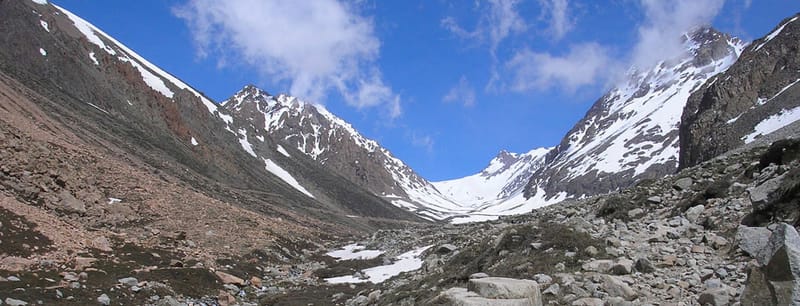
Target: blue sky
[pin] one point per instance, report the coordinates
(444, 85)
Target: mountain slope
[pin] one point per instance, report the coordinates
(631, 133)
(756, 96)
(291, 125)
(119, 102)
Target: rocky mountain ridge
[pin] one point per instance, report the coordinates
(756, 96)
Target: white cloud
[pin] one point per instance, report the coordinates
(316, 46)
(665, 22)
(497, 23)
(584, 64)
(556, 12)
(461, 92)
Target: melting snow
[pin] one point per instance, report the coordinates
(246, 144)
(43, 52)
(285, 176)
(405, 262)
(773, 123)
(281, 150)
(44, 25)
(354, 251)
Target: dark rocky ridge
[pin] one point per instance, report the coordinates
(764, 70)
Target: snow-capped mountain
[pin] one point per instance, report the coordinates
(498, 188)
(755, 97)
(314, 131)
(631, 133)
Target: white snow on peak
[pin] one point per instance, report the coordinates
(285, 176)
(774, 34)
(40, 2)
(502, 180)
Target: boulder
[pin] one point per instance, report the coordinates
(694, 212)
(616, 287)
(505, 288)
(229, 279)
(70, 204)
(463, 297)
(588, 302)
(128, 281)
(752, 240)
(779, 279)
(16, 264)
(684, 183)
(623, 266)
(600, 265)
(714, 297)
(766, 193)
(644, 265)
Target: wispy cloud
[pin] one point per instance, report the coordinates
(499, 21)
(591, 63)
(665, 21)
(583, 65)
(317, 47)
(461, 93)
(423, 141)
(556, 14)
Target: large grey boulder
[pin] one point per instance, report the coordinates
(766, 193)
(752, 240)
(777, 282)
(505, 288)
(463, 297)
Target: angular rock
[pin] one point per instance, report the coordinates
(781, 274)
(478, 275)
(752, 240)
(128, 281)
(623, 266)
(229, 279)
(714, 297)
(693, 213)
(765, 194)
(644, 265)
(684, 183)
(616, 287)
(83, 262)
(101, 243)
(505, 288)
(654, 199)
(103, 299)
(70, 204)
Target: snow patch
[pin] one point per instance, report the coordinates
(405, 262)
(113, 200)
(354, 251)
(194, 142)
(45, 25)
(285, 176)
(281, 150)
(42, 52)
(151, 79)
(773, 123)
(93, 58)
(246, 144)
(40, 2)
